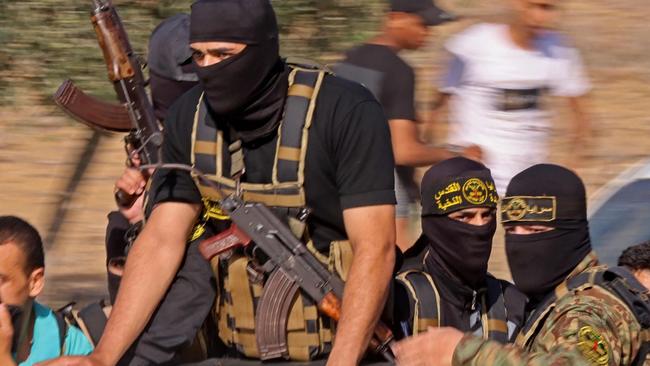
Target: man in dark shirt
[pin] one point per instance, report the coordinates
(377, 65)
(348, 177)
(170, 75)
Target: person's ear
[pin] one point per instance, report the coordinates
(36, 282)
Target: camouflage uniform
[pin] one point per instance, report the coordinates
(592, 327)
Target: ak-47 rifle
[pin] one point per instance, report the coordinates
(135, 113)
(290, 266)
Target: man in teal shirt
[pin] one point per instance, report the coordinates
(29, 332)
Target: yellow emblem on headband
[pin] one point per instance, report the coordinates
(475, 191)
(516, 209)
(528, 208)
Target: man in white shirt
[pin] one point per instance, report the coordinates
(497, 78)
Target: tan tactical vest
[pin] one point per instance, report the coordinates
(309, 335)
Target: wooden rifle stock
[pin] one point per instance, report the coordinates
(330, 305)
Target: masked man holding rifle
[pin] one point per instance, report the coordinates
(314, 148)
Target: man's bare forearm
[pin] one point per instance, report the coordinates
(409, 149)
(151, 266)
(371, 231)
(418, 154)
(581, 123)
(368, 287)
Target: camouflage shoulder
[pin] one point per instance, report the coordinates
(596, 323)
(474, 351)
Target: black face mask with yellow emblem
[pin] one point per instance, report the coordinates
(552, 196)
(459, 249)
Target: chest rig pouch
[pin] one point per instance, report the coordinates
(620, 282)
(242, 286)
(424, 300)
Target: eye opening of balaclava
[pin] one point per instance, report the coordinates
(459, 249)
(553, 196)
(246, 90)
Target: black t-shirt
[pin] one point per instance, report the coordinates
(349, 160)
(397, 94)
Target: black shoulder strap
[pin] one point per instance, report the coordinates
(94, 320)
(642, 355)
(371, 79)
(63, 330)
(298, 111)
(497, 323)
(91, 320)
(424, 300)
(515, 303)
(205, 145)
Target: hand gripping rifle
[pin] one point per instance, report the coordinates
(135, 113)
(291, 266)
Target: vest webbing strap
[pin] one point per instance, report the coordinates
(63, 331)
(94, 320)
(273, 198)
(424, 299)
(293, 132)
(496, 326)
(206, 142)
(286, 189)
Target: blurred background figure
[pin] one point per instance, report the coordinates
(171, 74)
(29, 331)
(637, 259)
(497, 78)
(171, 71)
(377, 65)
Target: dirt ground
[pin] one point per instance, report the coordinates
(40, 147)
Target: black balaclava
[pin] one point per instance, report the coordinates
(459, 249)
(16, 313)
(246, 90)
(171, 72)
(547, 195)
(164, 93)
